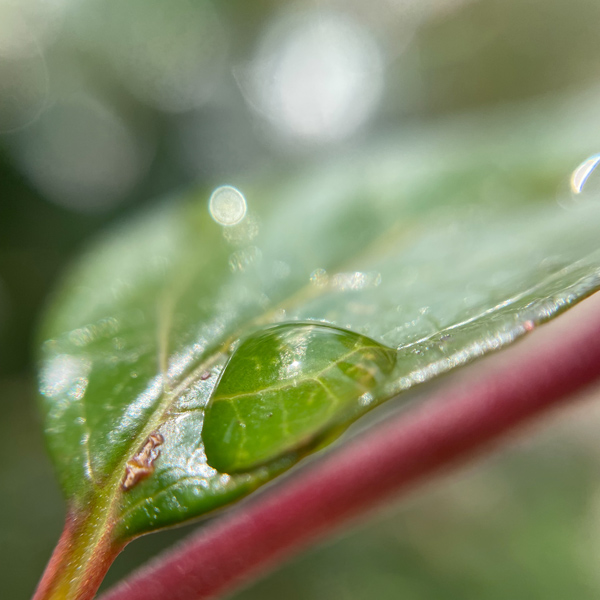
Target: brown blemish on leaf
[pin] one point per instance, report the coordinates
(142, 464)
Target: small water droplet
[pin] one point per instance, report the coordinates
(242, 259)
(227, 205)
(366, 399)
(529, 325)
(319, 278)
(582, 173)
(81, 337)
(355, 281)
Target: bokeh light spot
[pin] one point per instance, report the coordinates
(316, 77)
(227, 205)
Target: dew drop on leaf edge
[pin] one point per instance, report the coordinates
(285, 388)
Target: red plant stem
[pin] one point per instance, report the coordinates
(456, 423)
(67, 577)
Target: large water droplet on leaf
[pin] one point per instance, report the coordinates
(286, 388)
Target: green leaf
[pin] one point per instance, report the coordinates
(421, 255)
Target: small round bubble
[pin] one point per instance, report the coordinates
(227, 205)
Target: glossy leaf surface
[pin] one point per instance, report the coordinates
(440, 250)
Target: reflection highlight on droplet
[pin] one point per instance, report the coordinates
(582, 173)
(227, 205)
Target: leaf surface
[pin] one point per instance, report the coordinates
(390, 268)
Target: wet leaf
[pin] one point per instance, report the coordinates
(373, 274)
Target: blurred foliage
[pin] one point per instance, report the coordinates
(84, 144)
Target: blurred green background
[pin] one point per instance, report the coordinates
(109, 106)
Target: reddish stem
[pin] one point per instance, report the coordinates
(67, 576)
(459, 421)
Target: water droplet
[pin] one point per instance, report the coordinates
(355, 281)
(366, 399)
(319, 277)
(287, 388)
(81, 337)
(227, 205)
(582, 173)
(242, 259)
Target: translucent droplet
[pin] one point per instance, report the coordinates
(286, 389)
(366, 399)
(227, 205)
(355, 281)
(242, 259)
(582, 173)
(319, 277)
